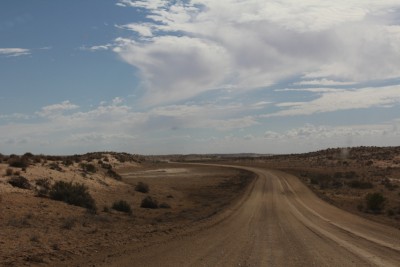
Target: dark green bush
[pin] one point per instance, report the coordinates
(55, 166)
(68, 162)
(149, 203)
(122, 206)
(114, 175)
(142, 187)
(106, 166)
(20, 182)
(360, 184)
(18, 162)
(375, 202)
(350, 175)
(88, 167)
(73, 194)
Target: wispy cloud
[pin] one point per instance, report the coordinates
(96, 48)
(14, 52)
(323, 82)
(56, 109)
(335, 100)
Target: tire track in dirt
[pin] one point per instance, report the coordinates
(279, 222)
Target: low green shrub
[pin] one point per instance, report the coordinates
(149, 203)
(88, 167)
(114, 174)
(122, 206)
(20, 182)
(360, 184)
(73, 194)
(42, 187)
(142, 187)
(375, 202)
(18, 162)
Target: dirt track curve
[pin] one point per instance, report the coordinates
(279, 222)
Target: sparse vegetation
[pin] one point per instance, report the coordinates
(20, 222)
(114, 174)
(55, 166)
(34, 238)
(88, 167)
(42, 187)
(73, 194)
(9, 172)
(18, 162)
(122, 206)
(149, 203)
(360, 184)
(375, 202)
(68, 223)
(142, 187)
(20, 182)
(164, 206)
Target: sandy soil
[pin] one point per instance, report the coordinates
(278, 222)
(41, 231)
(217, 216)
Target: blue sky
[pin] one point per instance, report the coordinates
(201, 76)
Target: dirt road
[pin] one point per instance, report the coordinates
(279, 222)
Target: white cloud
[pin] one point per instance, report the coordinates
(14, 52)
(323, 82)
(15, 116)
(144, 30)
(176, 68)
(97, 48)
(149, 4)
(95, 137)
(54, 110)
(190, 47)
(342, 100)
(230, 124)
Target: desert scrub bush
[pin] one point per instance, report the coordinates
(114, 174)
(20, 222)
(68, 162)
(68, 223)
(42, 187)
(149, 203)
(9, 172)
(389, 185)
(350, 175)
(142, 187)
(360, 184)
(88, 167)
(18, 162)
(122, 206)
(164, 206)
(375, 202)
(54, 166)
(73, 194)
(20, 182)
(106, 166)
(34, 238)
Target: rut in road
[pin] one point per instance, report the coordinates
(280, 222)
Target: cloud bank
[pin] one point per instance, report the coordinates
(185, 48)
